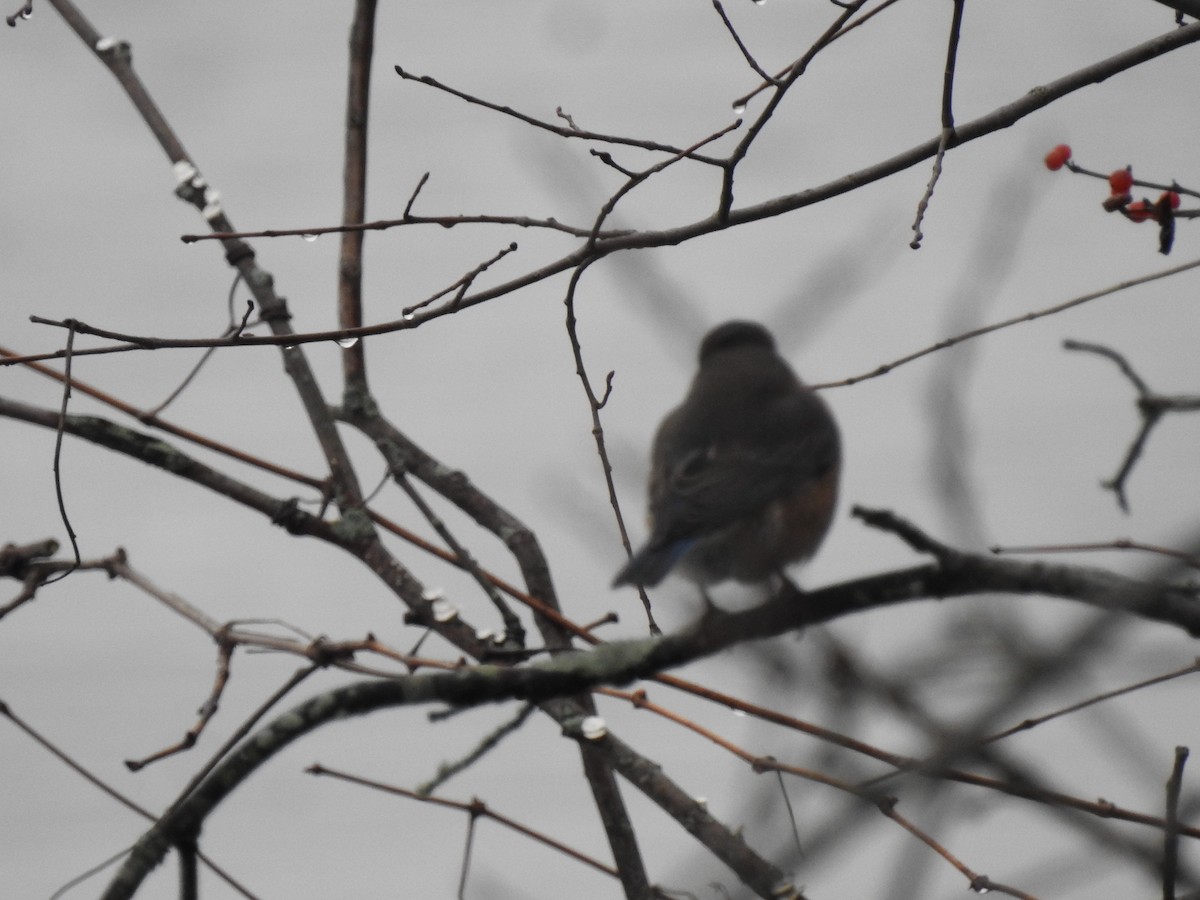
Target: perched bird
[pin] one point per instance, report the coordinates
(744, 473)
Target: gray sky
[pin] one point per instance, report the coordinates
(90, 230)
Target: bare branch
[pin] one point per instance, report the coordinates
(1016, 320)
(781, 86)
(354, 187)
(107, 789)
(1171, 837)
(947, 121)
(474, 808)
(955, 574)
(58, 436)
(1151, 407)
(1187, 559)
(1001, 118)
(409, 219)
(195, 189)
(741, 46)
(560, 130)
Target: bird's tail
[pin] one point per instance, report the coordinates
(651, 564)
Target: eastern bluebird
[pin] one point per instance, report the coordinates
(744, 472)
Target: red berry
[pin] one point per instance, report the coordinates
(1139, 211)
(1057, 157)
(1170, 197)
(1120, 181)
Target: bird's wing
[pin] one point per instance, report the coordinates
(717, 485)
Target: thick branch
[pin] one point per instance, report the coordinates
(162, 455)
(405, 457)
(956, 574)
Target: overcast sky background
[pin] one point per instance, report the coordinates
(89, 229)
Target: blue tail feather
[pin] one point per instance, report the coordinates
(651, 564)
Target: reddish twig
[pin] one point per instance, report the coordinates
(475, 809)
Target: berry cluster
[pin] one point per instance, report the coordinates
(1120, 184)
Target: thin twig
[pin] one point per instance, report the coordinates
(1151, 407)
(637, 178)
(112, 792)
(1175, 186)
(461, 286)
(595, 404)
(978, 883)
(233, 328)
(475, 808)
(741, 46)
(774, 80)
(1121, 362)
(446, 771)
(195, 190)
(1002, 117)
(514, 632)
(1171, 833)
(560, 130)
(240, 732)
(781, 86)
(208, 709)
(760, 764)
(1035, 721)
(947, 122)
(1192, 562)
(146, 417)
(58, 439)
(791, 813)
(407, 219)
(472, 818)
(413, 197)
(1016, 320)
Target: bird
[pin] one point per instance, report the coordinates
(744, 472)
